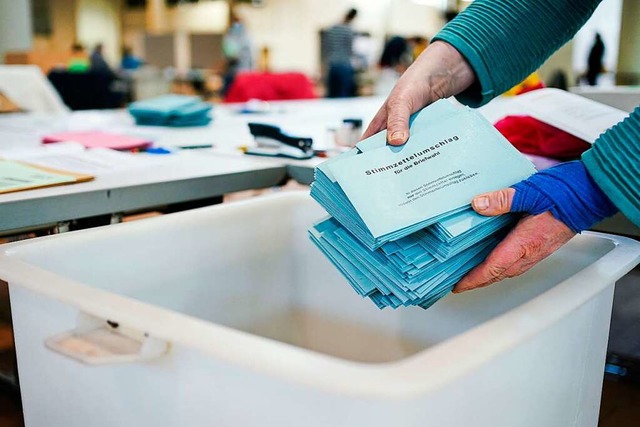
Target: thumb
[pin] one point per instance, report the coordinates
(398, 112)
(494, 203)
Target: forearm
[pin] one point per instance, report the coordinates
(506, 40)
(614, 164)
(441, 71)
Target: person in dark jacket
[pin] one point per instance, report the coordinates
(479, 55)
(594, 62)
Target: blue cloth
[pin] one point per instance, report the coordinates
(568, 192)
(171, 110)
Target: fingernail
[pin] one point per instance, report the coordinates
(397, 136)
(481, 203)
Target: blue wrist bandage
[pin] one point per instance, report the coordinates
(568, 192)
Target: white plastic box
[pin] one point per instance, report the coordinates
(228, 316)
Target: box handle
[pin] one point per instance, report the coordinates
(97, 341)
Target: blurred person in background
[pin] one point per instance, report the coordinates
(338, 54)
(238, 51)
(396, 57)
(129, 61)
(78, 61)
(98, 62)
(417, 45)
(595, 64)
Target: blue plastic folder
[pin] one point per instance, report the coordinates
(171, 110)
(400, 229)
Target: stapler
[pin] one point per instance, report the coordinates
(271, 141)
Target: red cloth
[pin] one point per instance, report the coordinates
(270, 87)
(532, 136)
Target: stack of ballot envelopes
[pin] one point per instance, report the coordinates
(171, 110)
(401, 229)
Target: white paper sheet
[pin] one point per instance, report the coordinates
(571, 113)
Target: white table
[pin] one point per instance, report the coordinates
(625, 98)
(194, 174)
(185, 175)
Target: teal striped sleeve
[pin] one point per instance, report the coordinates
(614, 164)
(506, 40)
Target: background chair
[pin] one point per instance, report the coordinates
(91, 90)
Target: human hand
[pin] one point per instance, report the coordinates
(534, 238)
(439, 72)
(562, 201)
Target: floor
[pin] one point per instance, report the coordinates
(10, 412)
(620, 406)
